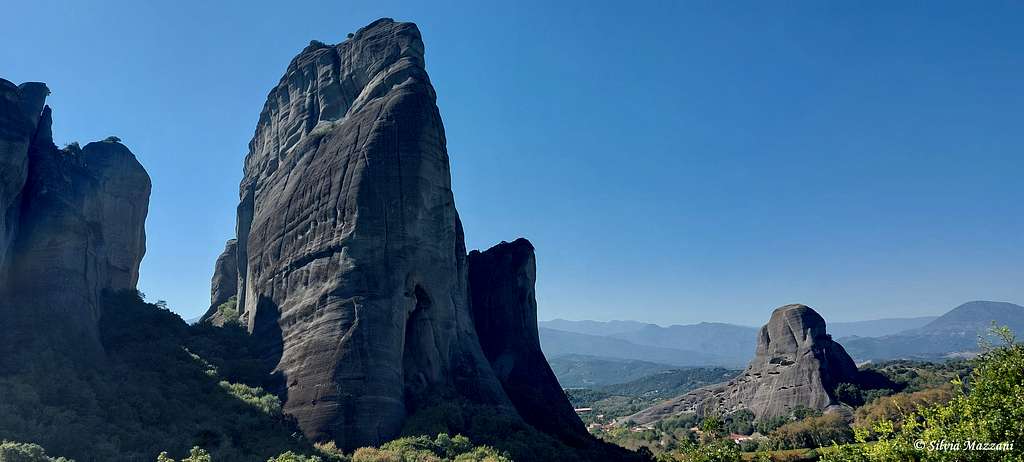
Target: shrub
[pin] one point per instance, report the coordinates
(812, 432)
(11, 451)
(989, 411)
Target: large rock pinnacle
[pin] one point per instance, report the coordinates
(351, 254)
(73, 224)
(796, 364)
(501, 282)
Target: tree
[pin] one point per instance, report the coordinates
(986, 411)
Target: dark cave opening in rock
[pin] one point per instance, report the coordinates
(417, 361)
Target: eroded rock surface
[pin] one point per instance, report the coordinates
(796, 364)
(501, 282)
(20, 109)
(224, 283)
(352, 258)
(73, 228)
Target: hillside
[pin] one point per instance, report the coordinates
(667, 384)
(581, 371)
(612, 401)
(953, 334)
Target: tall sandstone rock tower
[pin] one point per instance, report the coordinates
(352, 271)
(796, 364)
(72, 224)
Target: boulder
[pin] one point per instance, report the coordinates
(796, 364)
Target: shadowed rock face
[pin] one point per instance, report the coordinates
(74, 227)
(796, 364)
(20, 109)
(501, 284)
(352, 258)
(224, 283)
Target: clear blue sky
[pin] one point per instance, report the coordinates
(672, 161)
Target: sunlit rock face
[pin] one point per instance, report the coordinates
(352, 259)
(796, 364)
(74, 224)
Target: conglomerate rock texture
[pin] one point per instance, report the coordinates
(73, 226)
(351, 254)
(796, 364)
(501, 284)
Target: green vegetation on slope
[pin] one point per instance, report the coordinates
(196, 393)
(582, 371)
(977, 419)
(986, 409)
(160, 388)
(613, 401)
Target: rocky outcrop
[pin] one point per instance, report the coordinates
(501, 284)
(796, 364)
(352, 257)
(74, 228)
(224, 283)
(20, 110)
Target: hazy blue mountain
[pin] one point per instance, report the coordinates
(952, 334)
(594, 327)
(877, 327)
(731, 343)
(582, 371)
(557, 343)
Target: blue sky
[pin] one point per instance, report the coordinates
(672, 162)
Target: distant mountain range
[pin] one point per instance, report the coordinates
(556, 343)
(953, 334)
(729, 345)
(703, 344)
(877, 327)
(581, 371)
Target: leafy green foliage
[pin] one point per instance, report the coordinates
(715, 451)
(253, 396)
(26, 452)
(811, 432)
(196, 454)
(228, 311)
(156, 390)
(987, 409)
(740, 422)
(443, 448)
(910, 376)
(483, 424)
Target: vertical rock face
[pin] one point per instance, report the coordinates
(224, 283)
(20, 109)
(351, 254)
(501, 284)
(796, 364)
(78, 225)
